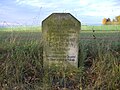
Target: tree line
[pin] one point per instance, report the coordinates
(108, 21)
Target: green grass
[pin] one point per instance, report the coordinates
(22, 28)
(101, 27)
(21, 62)
(83, 27)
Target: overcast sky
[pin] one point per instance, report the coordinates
(32, 12)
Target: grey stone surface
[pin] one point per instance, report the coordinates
(61, 39)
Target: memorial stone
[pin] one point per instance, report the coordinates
(61, 39)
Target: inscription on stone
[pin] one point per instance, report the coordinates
(61, 38)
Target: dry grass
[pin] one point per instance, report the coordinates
(21, 67)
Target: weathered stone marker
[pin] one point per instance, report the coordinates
(61, 39)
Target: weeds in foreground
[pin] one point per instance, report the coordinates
(21, 68)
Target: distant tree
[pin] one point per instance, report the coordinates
(108, 20)
(104, 21)
(114, 20)
(118, 18)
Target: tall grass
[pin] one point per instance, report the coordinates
(21, 65)
(103, 73)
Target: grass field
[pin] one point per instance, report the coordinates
(21, 61)
(101, 27)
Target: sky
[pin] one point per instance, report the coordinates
(33, 12)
